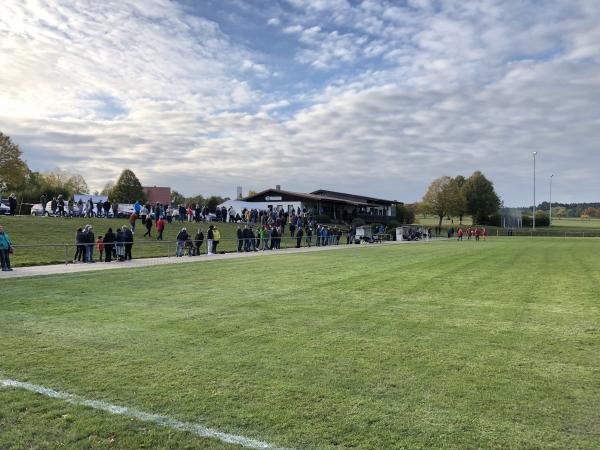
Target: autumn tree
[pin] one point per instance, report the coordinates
(13, 170)
(440, 198)
(107, 189)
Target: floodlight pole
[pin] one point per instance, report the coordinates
(534, 155)
(550, 220)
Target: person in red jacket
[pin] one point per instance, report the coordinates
(477, 233)
(160, 227)
(100, 247)
(459, 233)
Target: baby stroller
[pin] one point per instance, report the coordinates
(189, 248)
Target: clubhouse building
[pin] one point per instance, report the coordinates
(336, 205)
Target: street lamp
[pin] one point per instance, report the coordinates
(534, 155)
(550, 220)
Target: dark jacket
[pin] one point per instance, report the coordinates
(128, 236)
(80, 238)
(109, 238)
(182, 236)
(210, 235)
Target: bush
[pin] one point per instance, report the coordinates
(323, 219)
(541, 220)
(495, 220)
(358, 222)
(392, 225)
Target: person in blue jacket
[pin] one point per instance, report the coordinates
(5, 245)
(138, 208)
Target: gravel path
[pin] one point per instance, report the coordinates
(32, 271)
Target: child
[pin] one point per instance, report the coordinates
(100, 247)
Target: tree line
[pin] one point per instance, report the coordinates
(15, 176)
(30, 186)
(459, 196)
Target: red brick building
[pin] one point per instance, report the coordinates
(158, 194)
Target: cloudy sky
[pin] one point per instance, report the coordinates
(376, 97)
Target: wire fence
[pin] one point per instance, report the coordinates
(43, 254)
(546, 233)
(56, 253)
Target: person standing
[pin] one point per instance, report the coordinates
(148, 224)
(266, 237)
(160, 227)
(210, 237)
(106, 207)
(12, 204)
(128, 239)
(216, 239)
(89, 244)
(246, 238)
(240, 239)
(308, 235)
(43, 202)
(79, 246)
(299, 235)
(120, 246)
(198, 240)
(109, 242)
(100, 247)
(5, 250)
(182, 236)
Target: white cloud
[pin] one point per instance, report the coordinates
(386, 97)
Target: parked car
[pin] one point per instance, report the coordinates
(36, 210)
(4, 208)
(125, 210)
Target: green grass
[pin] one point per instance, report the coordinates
(26, 230)
(449, 345)
(574, 223)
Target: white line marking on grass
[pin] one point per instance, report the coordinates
(197, 429)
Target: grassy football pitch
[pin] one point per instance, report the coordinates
(445, 345)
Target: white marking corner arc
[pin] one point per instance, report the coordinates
(197, 429)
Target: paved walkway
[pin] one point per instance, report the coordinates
(32, 271)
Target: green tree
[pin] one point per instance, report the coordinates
(128, 188)
(212, 202)
(459, 206)
(177, 198)
(440, 198)
(13, 170)
(482, 201)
